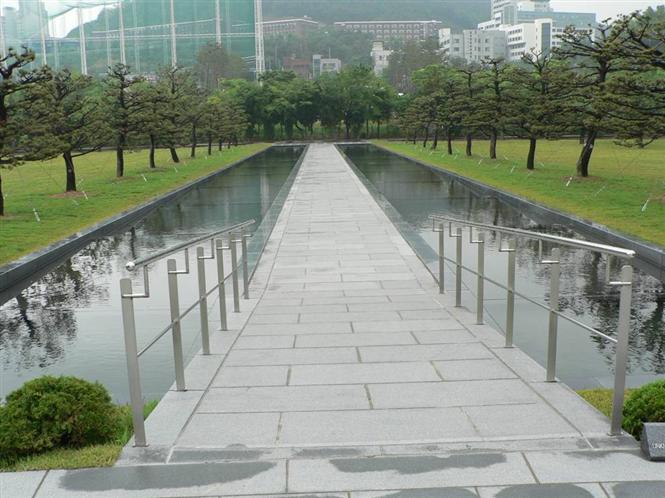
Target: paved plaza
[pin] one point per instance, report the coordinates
(348, 375)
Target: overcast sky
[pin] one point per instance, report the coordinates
(604, 8)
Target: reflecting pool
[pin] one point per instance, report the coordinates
(584, 360)
(68, 322)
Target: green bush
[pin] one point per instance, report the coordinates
(55, 412)
(646, 404)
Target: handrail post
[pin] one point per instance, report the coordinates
(510, 301)
(219, 247)
(175, 325)
(480, 292)
(203, 300)
(623, 334)
(554, 318)
(442, 260)
(458, 272)
(131, 352)
(245, 272)
(234, 272)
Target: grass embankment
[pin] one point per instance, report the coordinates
(99, 455)
(601, 399)
(41, 185)
(623, 179)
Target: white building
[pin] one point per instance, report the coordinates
(387, 30)
(532, 26)
(473, 45)
(321, 65)
(380, 57)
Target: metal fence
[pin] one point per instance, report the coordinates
(236, 234)
(456, 230)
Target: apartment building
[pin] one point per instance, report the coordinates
(388, 30)
(473, 45)
(297, 27)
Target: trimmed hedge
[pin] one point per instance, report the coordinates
(56, 412)
(646, 404)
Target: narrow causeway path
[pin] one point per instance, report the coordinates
(349, 375)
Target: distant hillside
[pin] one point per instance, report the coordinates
(454, 13)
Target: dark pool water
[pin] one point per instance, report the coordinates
(584, 360)
(69, 322)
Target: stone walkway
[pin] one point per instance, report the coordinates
(348, 374)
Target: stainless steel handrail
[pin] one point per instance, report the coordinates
(181, 316)
(135, 265)
(235, 234)
(455, 232)
(555, 239)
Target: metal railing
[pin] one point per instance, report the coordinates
(456, 230)
(236, 234)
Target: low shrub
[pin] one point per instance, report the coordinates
(646, 404)
(56, 412)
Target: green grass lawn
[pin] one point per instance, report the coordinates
(601, 399)
(40, 185)
(98, 455)
(622, 179)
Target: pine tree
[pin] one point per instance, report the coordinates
(14, 78)
(597, 54)
(65, 119)
(541, 88)
(123, 108)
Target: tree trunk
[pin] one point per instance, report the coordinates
(348, 133)
(71, 175)
(174, 155)
(426, 139)
(435, 142)
(152, 151)
(119, 162)
(2, 199)
(450, 143)
(493, 139)
(194, 140)
(585, 155)
(469, 145)
(367, 128)
(221, 144)
(531, 160)
(209, 144)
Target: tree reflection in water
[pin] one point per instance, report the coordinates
(39, 322)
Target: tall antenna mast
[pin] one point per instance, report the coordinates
(218, 23)
(84, 57)
(42, 32)
(174, 47)
(258, 36)
(121, 28)
(137, 54)
(108, 38)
